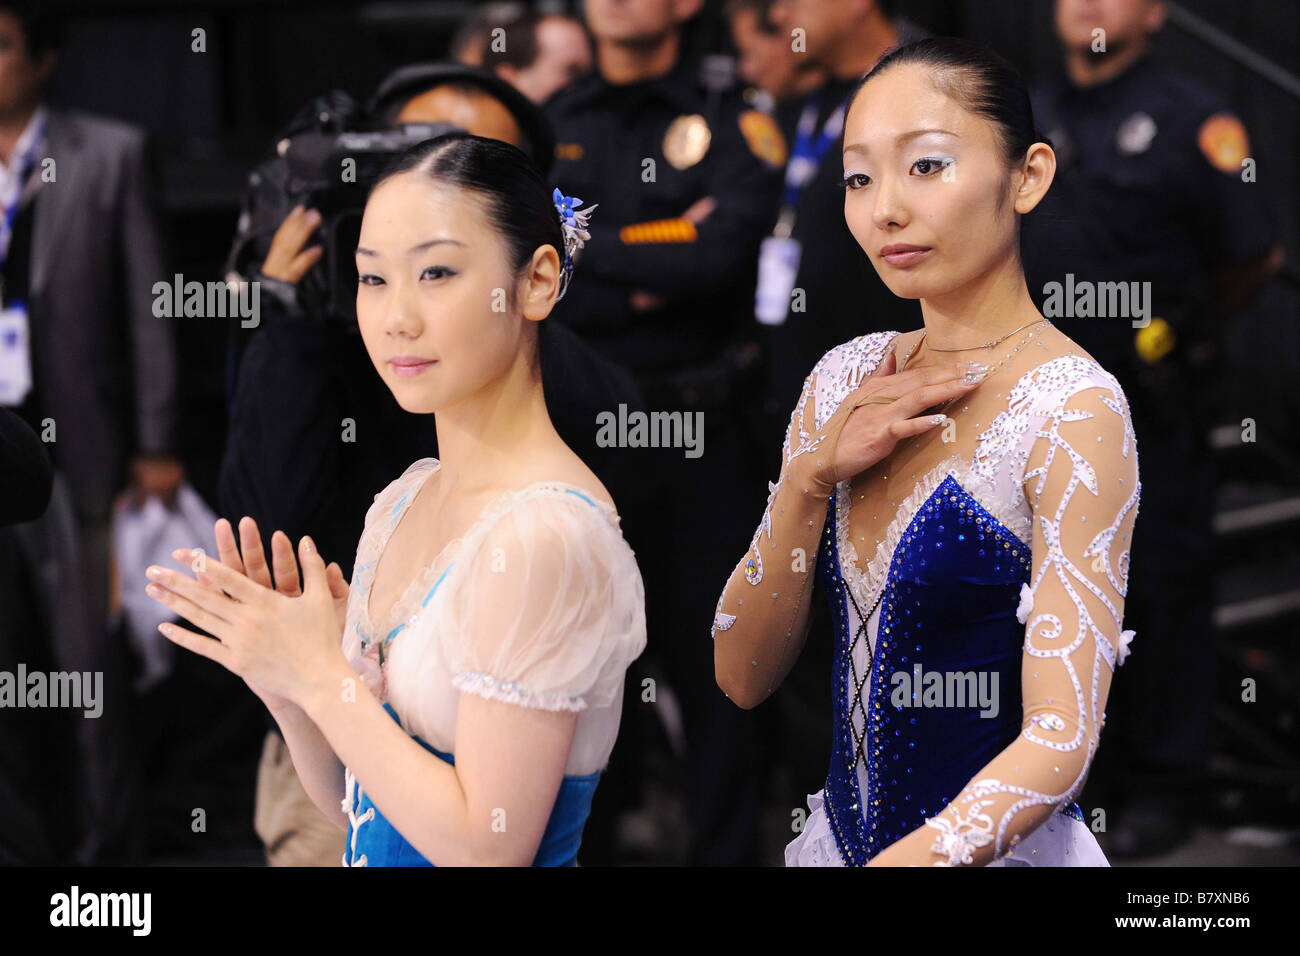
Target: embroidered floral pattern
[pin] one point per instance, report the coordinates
(959, 837)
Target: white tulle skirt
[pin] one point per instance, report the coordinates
(1061, 841)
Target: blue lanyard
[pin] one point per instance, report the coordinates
(11, 210)
(807, 153)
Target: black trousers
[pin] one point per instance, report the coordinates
(62, 596)
(35, 744)
(691, 532)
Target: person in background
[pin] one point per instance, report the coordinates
(469, 43)
(447, 93)
(767, 59)
(26, 477)
(91, 368)
(686, 179)
(1151, 189)
(26, 741)
(539, 55)
(816, 252)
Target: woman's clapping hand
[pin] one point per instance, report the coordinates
(282, 641)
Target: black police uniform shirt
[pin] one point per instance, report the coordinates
(843, 296)
(1149, 188)
(615, 147)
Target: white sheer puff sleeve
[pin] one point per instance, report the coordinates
(548, 609)
(1081, 481)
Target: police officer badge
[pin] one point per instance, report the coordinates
(1222, 139)
(763, 137)
(687, 140)
(1135, 134)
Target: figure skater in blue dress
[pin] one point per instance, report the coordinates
(965, 496)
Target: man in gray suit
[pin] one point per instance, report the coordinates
(81, 251)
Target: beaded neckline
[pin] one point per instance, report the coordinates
(974, 475)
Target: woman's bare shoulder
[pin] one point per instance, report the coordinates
(1050, 349)
(1057, 344)
(1053, 368)
(563, 466)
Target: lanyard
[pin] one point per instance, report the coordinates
(806, 156)
(11, 205)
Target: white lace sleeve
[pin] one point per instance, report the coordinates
(548, 609)
(761, 619)
(838, 372)
(1081, 482)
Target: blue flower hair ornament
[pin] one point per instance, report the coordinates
(573, 223)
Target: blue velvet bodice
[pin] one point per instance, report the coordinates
(373, 841)
(949, 605)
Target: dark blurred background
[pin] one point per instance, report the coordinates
(211, 115)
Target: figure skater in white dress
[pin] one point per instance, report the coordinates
(458, 703)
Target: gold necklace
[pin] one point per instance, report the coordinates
(912, 351)
(986, 345)
(1005, 359)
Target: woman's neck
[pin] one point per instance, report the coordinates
(991, 305)
(484, 438)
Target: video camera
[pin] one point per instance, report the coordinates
(326, 159)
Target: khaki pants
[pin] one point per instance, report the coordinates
(291, 827)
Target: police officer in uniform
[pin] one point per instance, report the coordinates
(1153, 186)
(686, 180)
(816, 287)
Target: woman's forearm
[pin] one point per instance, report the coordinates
(420, 794)
(315, 762)
(762, 618)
